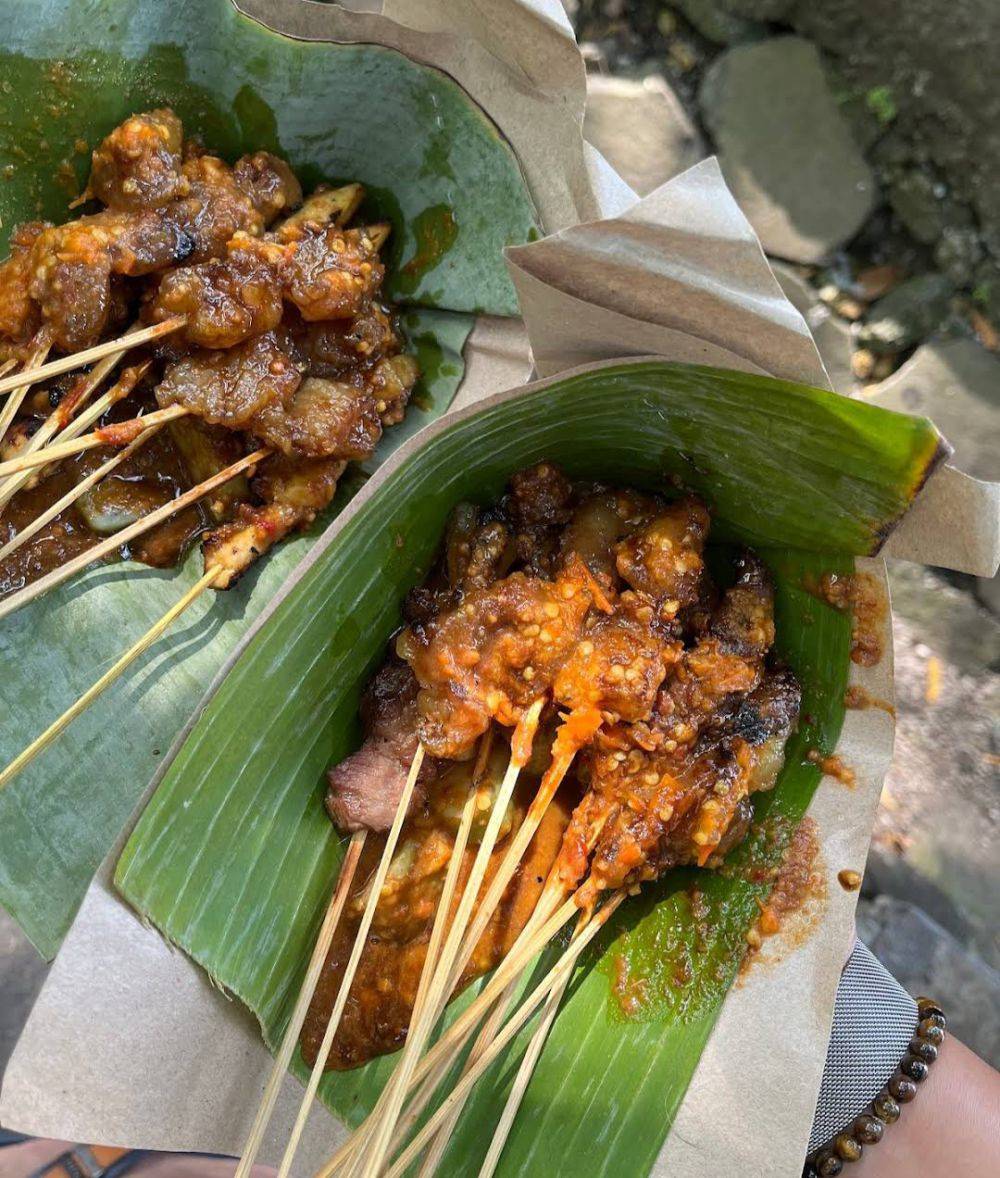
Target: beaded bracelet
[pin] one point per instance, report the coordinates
(884, 1110)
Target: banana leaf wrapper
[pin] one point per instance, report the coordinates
(232, 859)
(433, 164)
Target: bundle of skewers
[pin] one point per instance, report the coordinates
(262, 359)
(573, 707)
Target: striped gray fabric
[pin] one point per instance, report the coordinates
(873, 1021)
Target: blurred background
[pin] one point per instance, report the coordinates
(862, 139)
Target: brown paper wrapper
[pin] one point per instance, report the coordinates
(129, 1043)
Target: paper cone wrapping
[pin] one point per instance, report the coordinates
(129, 1043)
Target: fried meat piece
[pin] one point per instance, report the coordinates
(138, 166)
(333, 274)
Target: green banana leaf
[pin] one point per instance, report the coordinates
(233, 858)
(432, 163)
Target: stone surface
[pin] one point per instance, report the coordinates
(907, 314)
(785, 149)
(957, 384)
(937, 832)
(927, 959)
(932, 60)
(22, 972)
(715, 22)
(641, 129)
(831, 333)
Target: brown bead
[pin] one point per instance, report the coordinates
(886, 1107)
(927, 1006)
(933, 1018)
(849, 1149)
(931, 1032)
(828, 1165)
(902, 1088)
(868, 1129)
(916, 1069)
(923, 1050)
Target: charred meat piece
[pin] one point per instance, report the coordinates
(229, 387)
(323, 419)
(333, 274)
(270, 184)
(619, 663)
(729, 661)
(365, 788)
(224, 301)
(540, 494)
(663, 560)
(215, 209)
(493, 655)
(72, 265)
(19, 314)
(329, 349)
(292, 492)
(138, 166)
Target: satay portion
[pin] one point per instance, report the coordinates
(280, 337)
(599, 602)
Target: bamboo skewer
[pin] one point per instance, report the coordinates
(62, 420)
(553, 891)
(345, 878)
(29, 375)
(443, 980)
(352, 963)
(494, 893)
(436, 965)
(109, 676)
(527, 1067)
(74, 493)
(99, 551)
(131, 339)
(444, 1050)
(121, 433)
(555, 975)
(122, 387)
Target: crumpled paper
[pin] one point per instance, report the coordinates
(129, 1043)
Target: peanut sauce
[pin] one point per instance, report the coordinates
(861, 595)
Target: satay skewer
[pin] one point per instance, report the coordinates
(131, 339)
(563, 753)
(102, 549)
(451, 1040)
(109, 677)
(71, 428)
(375, 891)
(345, 877)
(437, 995)
(428, 1073)
(553, 893)
(30, 374)
(118, 434)
(24, 535)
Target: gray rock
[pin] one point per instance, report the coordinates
(936, 841)
(907, 314)
(917, 201)
(641, 129)
(759, 9)
(716, 24)
(957, 254)
(831, 333)
(926, 959)
(957, 384)
(935, 60)
(785, 149)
